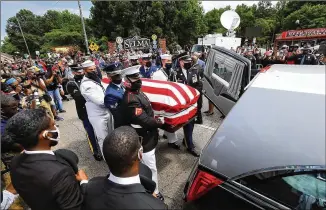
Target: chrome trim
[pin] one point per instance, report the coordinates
(260, 196)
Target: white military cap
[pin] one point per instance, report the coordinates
(166, 57)
(145, 56)
(131, 70)
(133, 57)
(88, 63)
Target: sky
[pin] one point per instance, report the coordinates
(10, 8)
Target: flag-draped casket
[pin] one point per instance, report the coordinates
(175, 102)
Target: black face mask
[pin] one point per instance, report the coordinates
(93, 76)
(148, 64)
(117, 81)
(168, 65)
(136, 85)
(79, 77)
(187, 66)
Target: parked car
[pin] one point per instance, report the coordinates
(269, 152)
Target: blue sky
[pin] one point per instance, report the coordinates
(10, 8)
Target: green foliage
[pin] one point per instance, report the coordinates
(309, 17)
(212, 19)
(8, 47)
(44, 32)
(180, 22)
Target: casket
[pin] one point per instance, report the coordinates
(175, 102)
(169, 97)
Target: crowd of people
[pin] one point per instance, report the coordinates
(118, 119)
(285, 54)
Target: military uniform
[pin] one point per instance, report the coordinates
(138, 113)
(192, 78)
(99, 116)
(147, 71)
(114, 94)
(73, 89)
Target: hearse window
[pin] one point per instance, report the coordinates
(298, 189)
(221, 71)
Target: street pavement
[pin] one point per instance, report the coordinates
(173, 166)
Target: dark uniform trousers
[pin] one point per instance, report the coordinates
(193, 79)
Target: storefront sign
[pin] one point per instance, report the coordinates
(305, 33)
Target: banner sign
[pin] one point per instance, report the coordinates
(136, 42)
(111, 47)
(162, 43)
(305, 33)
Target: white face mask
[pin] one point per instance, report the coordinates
(140, 153)
(55, 133)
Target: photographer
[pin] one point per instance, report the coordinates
(35, 82)
(53, 80)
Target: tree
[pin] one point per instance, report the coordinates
(309, 17)
(30, 25)
(8, 47)
(212, 20)
(247, 16)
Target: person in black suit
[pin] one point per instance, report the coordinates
(43, 178)
(122, 188)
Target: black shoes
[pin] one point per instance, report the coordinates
(98, 157)
(164, 136)
(160, 196)
(193, 152)
(62, 111)
(174, 146)
(198, 121)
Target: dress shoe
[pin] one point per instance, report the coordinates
(98, 157)
(198, 121)
(160, 196)
(193, 152)
(164, 136)
(174, 146)
(205, 112)
(57, 118)
(62, 111)
(209, 113)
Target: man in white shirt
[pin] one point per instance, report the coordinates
(122, 188)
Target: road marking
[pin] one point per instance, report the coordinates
(207, 127)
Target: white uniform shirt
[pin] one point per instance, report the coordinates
(94, 96)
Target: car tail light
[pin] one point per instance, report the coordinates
(263, 70)
(203, 182)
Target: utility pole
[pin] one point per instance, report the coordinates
(83, 24)
(23, 36)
